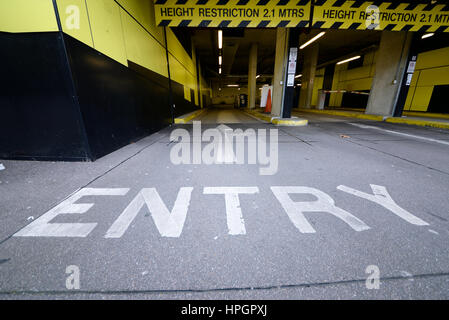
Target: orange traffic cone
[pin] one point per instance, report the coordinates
(268, 107)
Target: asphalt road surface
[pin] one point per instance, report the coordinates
(351, 210)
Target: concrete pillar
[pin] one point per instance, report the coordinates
(310, 54)
(390, 67)
(252, 74)
(280, 64)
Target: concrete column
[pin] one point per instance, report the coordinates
(280, 65)
(308, 72)
(252, 74)
(390, 67)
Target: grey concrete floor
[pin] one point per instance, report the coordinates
(273, 259)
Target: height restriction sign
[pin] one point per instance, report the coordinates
(233, 13)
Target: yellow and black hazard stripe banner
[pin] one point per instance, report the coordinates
(327, 14)
(380, 15)
(233, 13)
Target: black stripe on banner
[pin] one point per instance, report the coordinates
(393, 5)
(358, 3)
(263, 23)
(336, 25)
(446, 8)
(283, 24)
(302, 24)
(303, 2)
(338, 3)
(242, 2)
(355, 25)
(318, 24)
(441, 29)
(224, 23)
(390, 26)
(164, 23)
(424, 28)
(244, 24)
(180, 2)
(407, 27)
(160, 1)
(184, 23)
(283, 2)
(204, 23)
(222, 2)
(377, 3)
(411, 6)
(262, 2)
(202, 2)
(430, 7)
(320, 2)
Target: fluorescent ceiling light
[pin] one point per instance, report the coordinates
(220, 60)
(298, 76)
(427, 35)
(312, 40)
(233, 85)
(350, 59)
(220, 39)
(219, 71)
(258, 76)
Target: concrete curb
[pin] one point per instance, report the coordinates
(189, 116)
(293, 122)
(346, 114)
(414, 122)
(278, 121)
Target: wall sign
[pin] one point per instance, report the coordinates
(327, 14)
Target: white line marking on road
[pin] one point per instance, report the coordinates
(324, 203)
(42, 227)
(382, 197)
(433, 231)
(362, 126)
(169, 224)
(236, 223)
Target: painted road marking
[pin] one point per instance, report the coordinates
(382, 197)
(171, 223)
(362, 126)
(43, 228)
(236, 223)
(324, 203)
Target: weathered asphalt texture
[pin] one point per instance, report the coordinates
(273, 260)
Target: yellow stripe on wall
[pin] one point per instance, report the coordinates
(74, 20)
(27, 16)
(107, 29)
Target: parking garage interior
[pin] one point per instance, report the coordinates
(99, 75)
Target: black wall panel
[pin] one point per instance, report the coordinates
(46, 114)
(119, 105)
(38, 117)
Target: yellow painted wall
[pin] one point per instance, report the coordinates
(122, 30)
(317, 85)
(432, 68)
(27, 16)
(356, 79)
(74, 20)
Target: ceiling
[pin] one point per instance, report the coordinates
(237, 43)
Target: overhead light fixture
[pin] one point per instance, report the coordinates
(219, 70)
(220, 60)
(258, 76)
(312, 40)
(427, 35)
(298, 76)
(220, 39)
(350, 59)
(233, 85)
